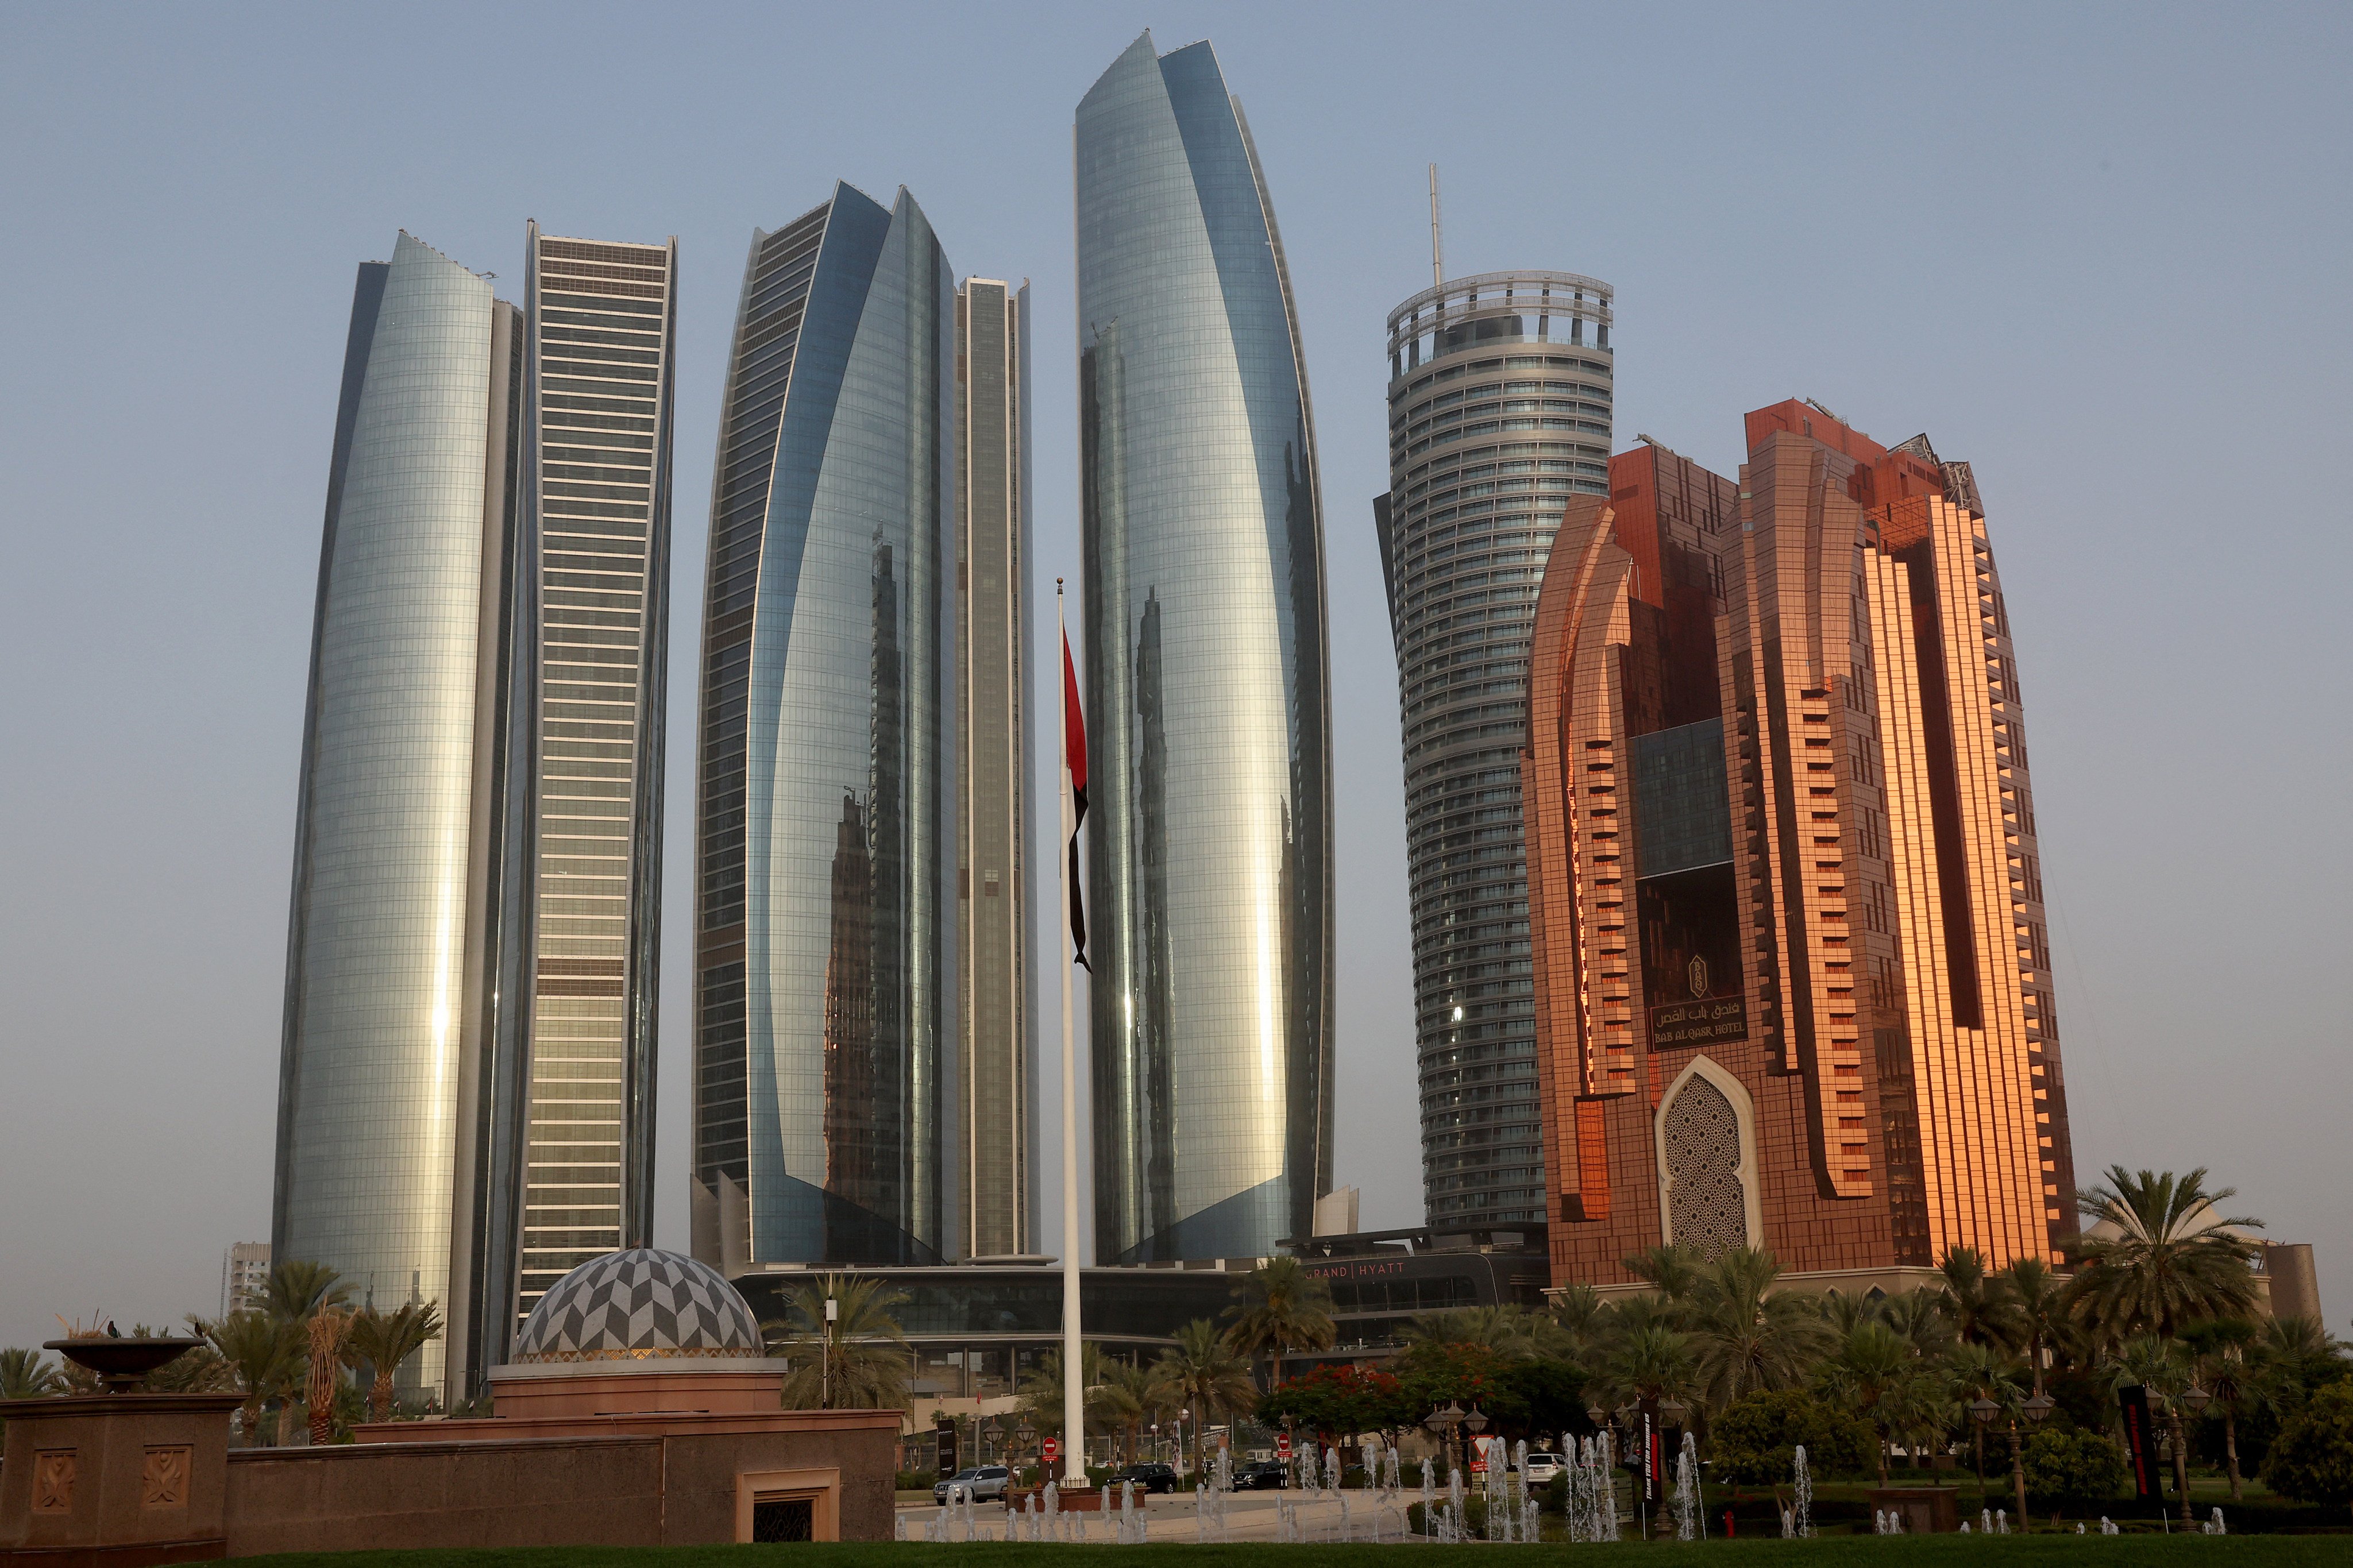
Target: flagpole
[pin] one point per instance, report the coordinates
(1074, 1397)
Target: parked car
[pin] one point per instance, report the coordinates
(1261, 1475)
(1147, 1477)
(1542, 1468)
(985, 1482)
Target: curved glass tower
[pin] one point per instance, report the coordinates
(388, 960)
(824, 929)
(1210, 885)
(1500, 396)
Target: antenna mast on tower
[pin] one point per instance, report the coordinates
(1437, 253)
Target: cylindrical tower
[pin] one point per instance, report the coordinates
(1500, 394)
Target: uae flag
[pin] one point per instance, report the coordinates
(1074, 780)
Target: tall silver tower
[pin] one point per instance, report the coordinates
(996, 886)
(1210, 883)
(393, 942)
(1500, 396)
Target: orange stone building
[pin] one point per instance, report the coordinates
(1793, 989)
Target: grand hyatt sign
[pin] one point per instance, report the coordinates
(1366, 1268)
(1708, 1021)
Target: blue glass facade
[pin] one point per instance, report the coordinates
(825, 930)
(1208, 707)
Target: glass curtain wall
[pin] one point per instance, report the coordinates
(391, 934)
(1501, 388)
(824, 942)
(1208, 707)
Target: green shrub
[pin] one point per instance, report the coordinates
(2312, 1458)
(1756, 1438)
(917, 1480)
(2072, 1471)
(1555, 1493)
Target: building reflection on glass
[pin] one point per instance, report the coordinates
(824, 977)
(1209, 886)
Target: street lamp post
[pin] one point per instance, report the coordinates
(2035, 1409)
(1444, 1419)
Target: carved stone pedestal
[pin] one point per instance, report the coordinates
(115, 1480)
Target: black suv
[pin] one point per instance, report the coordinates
(1147, 1477)
(1260, 1475)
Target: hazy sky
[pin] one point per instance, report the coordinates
(2101, 252)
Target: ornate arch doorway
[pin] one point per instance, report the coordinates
(1708, 1162)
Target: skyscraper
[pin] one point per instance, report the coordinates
(1210, 879)
(825, 922)
(1792, 980)
(995, 885)
(466, 1089)
(601, 318)
(392, 947)
(1500, 399)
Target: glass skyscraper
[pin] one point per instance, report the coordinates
(825, 867)
(996, 883)
(1500, 396)
(466, 1090)
(393, 939)
(1210, 883)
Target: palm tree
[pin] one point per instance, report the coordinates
(1744, 1336)
(264, 1351)
(1647, 1362)
(1923, 1317)
(1576, 1310)
(1868, 1370)
(1041, 1391)
(1673, 1271)
(384, 1340)
(1974, 1371)
(1846, 1313)
(2034, 1312)
(325, 1332)
(28, 1374)
(2173, 1260)
(1131, 1400)
(299, 1289)
(1204, 1372)
(1507, 1330)
(857, 1360)
(2218, 1350)
(1978, 1304)
(1281, 1309)
(2296, 1354)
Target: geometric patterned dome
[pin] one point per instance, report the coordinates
(641, 1305)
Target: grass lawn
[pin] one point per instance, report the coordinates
(1848, 1552)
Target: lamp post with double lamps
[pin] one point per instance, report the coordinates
(2035, 1409)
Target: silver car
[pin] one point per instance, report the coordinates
(985, 1482)
(1542, 1468)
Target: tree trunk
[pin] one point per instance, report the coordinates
(379, 1395)
(2018, 1476)
(2230, 1447)
(2180, 1466)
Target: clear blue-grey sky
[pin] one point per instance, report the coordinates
(2098, 251)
